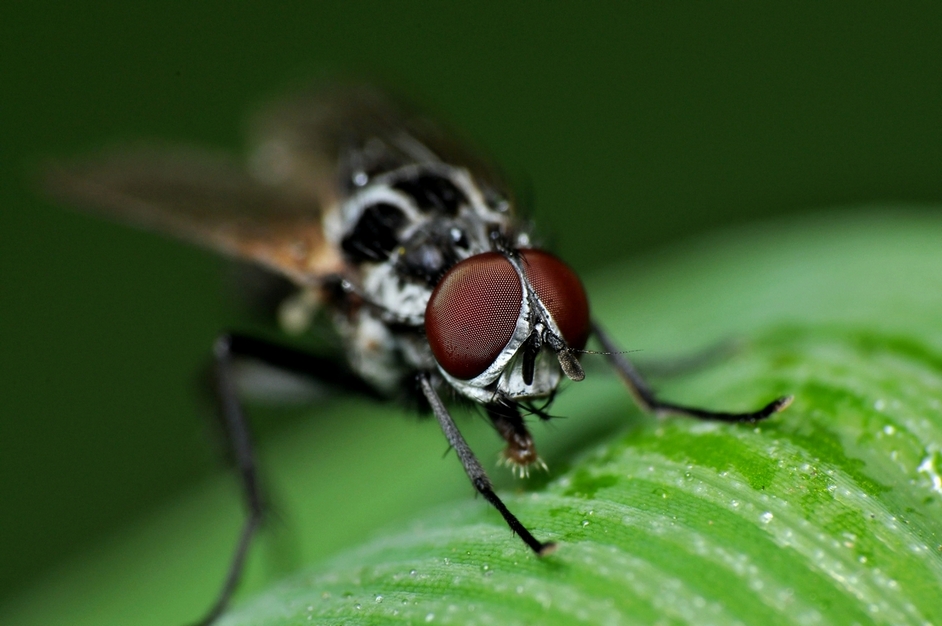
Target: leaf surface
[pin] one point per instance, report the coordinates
(828, 513)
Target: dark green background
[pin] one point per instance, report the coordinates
(629, 127)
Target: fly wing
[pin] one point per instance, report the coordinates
(337, 140)
(308, 153)
(207, 199)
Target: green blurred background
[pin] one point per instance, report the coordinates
(630, 126)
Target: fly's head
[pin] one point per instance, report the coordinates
(508, 325)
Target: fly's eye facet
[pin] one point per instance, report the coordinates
(562, 294)
(472, 314)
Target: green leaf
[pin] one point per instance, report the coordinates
(828, 513)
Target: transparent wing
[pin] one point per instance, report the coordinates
(331, 141)
(204, 198)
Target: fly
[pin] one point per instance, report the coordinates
(407, 240)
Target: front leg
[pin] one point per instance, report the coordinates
(647, 400)
(520, 453)
(473, 469)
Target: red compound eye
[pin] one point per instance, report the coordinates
(562, 294)
(472, 313)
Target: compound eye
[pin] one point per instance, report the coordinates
(562, 294)
(472, 314)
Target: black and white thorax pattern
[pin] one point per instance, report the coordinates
(403, 230)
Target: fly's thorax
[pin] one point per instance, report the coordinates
(400, 232)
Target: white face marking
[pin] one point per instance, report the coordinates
(546, 378)
(510, 384)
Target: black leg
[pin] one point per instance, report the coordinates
(228, 348)
(474, 470)
(646, 398)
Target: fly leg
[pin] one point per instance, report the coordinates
(473, 469)
(646, 398)
(227, 350)
(520, 453)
